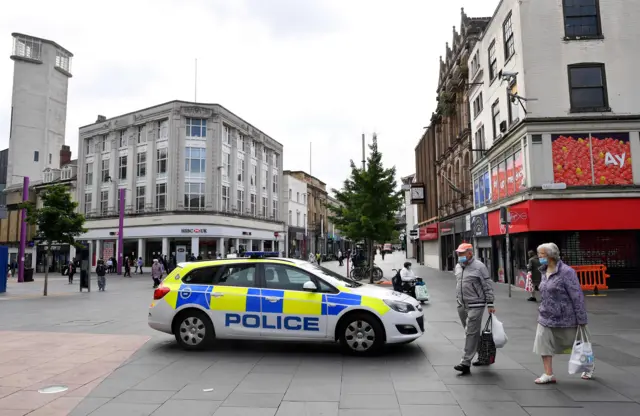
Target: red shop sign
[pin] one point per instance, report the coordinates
(519, 220)
(428, 233)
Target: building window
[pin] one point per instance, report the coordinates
(479, 141)
(140, 191)
(275, 159)
(495, 115)
(88, 150)
(195, 162)
(254, 173)
(194, 196)
(161, 196)
(87, 203)
(290, 194)
(263, 179)
(225, 198)
(290, 219)
(240, 201)
(141, 167)
(105, 170)
(104, 202)
(298, 197)
(226, 135)
(36, 156)
(265, 207)
(274, 211)
(493, 61)
(241, 171)
(88, 174)
(123, 138)
(588, 88)
(265, 154)
(297, 218)
(275, 184)
(253, 199)
(27, 47)
(161, 161)
(241, 143)
(50, 157)
(63, 61)
(581, 18)
(475, 64)
(122, 167)
(140, 134)
(103, 143)
(226, 163)
(478, 105)
(253, 148)
(163, 130)
(196, 127)
(507, 35)
(304, 198)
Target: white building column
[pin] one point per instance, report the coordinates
(141, 250)
(98, 250)
(165, 247)
(221, 248)
(72, 251)
(261, 245)
(195, 246)
(274, 246)
(237, 245)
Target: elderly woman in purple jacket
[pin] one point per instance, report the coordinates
(561, 310)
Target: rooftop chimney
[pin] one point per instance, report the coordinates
(65, 155)
(101, 119)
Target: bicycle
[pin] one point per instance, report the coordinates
(360, 272)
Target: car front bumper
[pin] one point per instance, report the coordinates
(403, 327)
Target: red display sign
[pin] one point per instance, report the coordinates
(519, 220)
(429, 232)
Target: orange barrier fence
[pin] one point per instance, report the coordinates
(592, 277)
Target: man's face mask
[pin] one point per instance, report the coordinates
(462, 259)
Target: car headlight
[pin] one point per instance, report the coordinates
(402, 307)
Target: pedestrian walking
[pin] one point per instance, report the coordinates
(71, 271)
(101, 271)
(318, 258)
(156, 273)
(127, 267)
(139, 264)
(561, 313)
(109, 266)
(533, 267)
(474, 292)
(340, 258)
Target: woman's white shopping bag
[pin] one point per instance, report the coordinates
(582, 358)
(422, 294)
(499, 336)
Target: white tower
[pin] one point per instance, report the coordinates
(41, 73)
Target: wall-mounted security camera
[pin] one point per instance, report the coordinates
(507, 75)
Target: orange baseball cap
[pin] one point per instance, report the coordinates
(464, 247)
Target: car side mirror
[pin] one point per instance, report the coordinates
(309, 286)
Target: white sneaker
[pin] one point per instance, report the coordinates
(546, 379)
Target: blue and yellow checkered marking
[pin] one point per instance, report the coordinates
(287, 302)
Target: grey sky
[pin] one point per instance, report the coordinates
(321, 71)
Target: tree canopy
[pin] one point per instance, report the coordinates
(368, 202)
(57, 220)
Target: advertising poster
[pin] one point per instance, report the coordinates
(486, 179)
(521, 179)
(511, 180)
(502, 180)
(477, 193)
(599, 159)
(494, 184)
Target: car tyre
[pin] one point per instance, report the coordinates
(193, 330)
(361, 334)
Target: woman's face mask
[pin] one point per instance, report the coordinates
(544, 261)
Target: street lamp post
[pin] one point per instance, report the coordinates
(120, 230)
(23, 229)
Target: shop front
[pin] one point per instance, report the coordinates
(296, 243)
(587, 231)
(61, 254)
(428, 252)
(481, 239)
(453, 232)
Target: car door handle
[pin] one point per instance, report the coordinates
(332, 304)
(217, 294)
(272, 299)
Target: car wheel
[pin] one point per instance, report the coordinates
(361, 334)
(193, 330)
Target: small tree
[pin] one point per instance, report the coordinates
(57, 221)
(368, 200)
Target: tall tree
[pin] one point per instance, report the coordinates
(57, 221)
(369, 200)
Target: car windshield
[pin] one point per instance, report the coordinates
(330, 276)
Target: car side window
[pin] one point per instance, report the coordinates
(278, 276)
(239, 275)
(201, 276)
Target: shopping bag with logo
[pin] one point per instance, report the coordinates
(528, 286)
(497, 329)
(422, 294)
(487, 350)
(582, 359)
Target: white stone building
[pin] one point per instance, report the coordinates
(294, 206)
(556, 122)
(198, 180)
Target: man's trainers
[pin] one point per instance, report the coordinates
(480, 363)
(463, 369)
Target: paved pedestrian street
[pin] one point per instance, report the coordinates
(99, 346)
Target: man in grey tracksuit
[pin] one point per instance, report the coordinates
(474, 292)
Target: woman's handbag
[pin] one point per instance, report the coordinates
(582, 359)
(528, 286)
(422, 294)
(487, 351)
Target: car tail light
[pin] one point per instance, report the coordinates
(160, 292)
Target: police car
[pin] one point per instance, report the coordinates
(280, 299)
